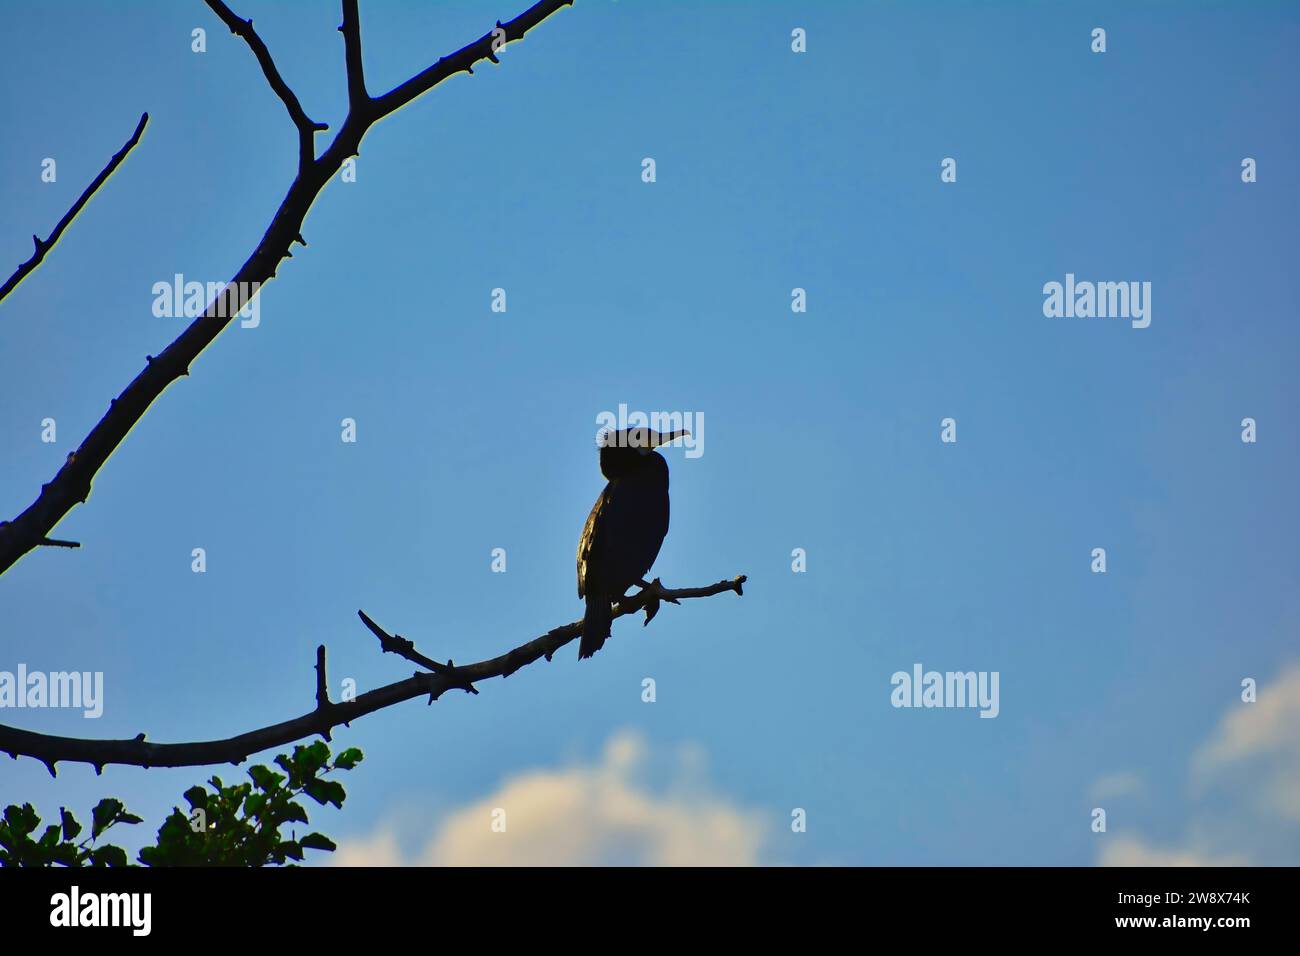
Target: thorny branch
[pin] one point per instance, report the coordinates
(306, 128)
(45, 245)
(71, 485)
(434, 681)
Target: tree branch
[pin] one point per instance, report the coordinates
(138, 752)
(358, 98)
(322, 681)
(71, 485)
(306, 128)
(396, 644)
(463, 60)
(45, 245)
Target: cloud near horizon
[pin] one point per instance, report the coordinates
(1246, 785)
(586, 815)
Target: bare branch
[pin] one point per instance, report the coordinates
(322, 682)
(45, 245)
(326, 715)
(71, 486)
(306, 128)
(358, 98)
(396, 644)
(463, 60)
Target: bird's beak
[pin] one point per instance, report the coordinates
(664, 438)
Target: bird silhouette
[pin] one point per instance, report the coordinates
(626, 527)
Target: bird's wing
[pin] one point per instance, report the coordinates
(621, 538)
(587, 543)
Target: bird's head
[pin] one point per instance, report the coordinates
(630, 449)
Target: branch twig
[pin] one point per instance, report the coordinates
(306, 128)
(463, 60)
(322, 682)
(326, 715)
(45, 245)
(396, 644)
(358, 98)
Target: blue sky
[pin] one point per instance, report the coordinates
(775, 170)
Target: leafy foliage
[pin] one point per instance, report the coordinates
(236, 825)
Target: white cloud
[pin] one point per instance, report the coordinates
(600, 814)
(1246, 789)
(380, 849)
(1132, 851)
(1115, 785)
(1259, 742)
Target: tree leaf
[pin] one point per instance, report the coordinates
(22, 820)
(108, 856)
(50, 838)
(325, 791)
(312, 757)
(317, 841)
(348, 759)
(265, 778)
(104, 814)
(70, 825)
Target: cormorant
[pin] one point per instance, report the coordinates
(626, 527)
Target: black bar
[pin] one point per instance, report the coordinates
(325, 904)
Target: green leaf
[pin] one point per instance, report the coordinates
(293, 813)
(70, 825)
(22, 820)
(311, 758)
(196, 796)
(104, 814)
(108, 856)
(265, 778)
(66, 854)
(317, 841)
(50, 838)
(348, 759)
(325, 791)
(152, 856)
(175, 829)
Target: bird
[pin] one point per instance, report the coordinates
(626, 527)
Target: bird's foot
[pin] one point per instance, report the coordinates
(654, 592)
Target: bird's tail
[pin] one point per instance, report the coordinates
(596, 623)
